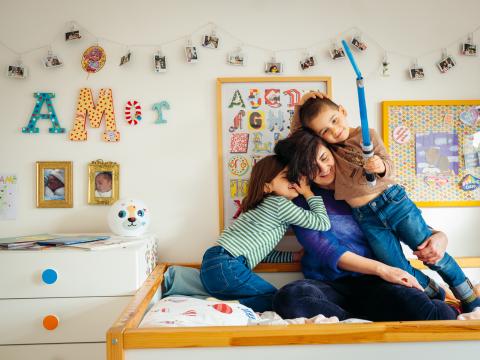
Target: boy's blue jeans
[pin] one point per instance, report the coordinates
(391, 217)
(229, 278)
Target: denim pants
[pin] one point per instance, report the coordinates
(392, 217)
(229, 278)
(365, 297)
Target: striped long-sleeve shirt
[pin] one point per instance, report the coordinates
(256, 232)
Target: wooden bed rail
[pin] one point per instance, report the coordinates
(125, 334)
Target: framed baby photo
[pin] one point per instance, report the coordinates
(54, 184)
(103, 182)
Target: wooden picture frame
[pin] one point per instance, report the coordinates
(103, 182)
(54, 184)
(253, 113)
(427, 140)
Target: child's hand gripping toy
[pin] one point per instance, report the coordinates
(367, 146)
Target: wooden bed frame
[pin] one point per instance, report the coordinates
(125, 341)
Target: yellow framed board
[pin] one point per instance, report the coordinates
(435, 147)
(253, 114)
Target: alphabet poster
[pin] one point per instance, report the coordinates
(253, 115)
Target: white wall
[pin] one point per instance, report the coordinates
(174, 167)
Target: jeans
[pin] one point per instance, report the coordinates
(391, 217)
(365, 297)
(229, 278)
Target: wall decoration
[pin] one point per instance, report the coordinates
(95, 112)
(358, 43)
(308, 62)
(210, 41)
(17, 71)
(133, 112)
(446, 63)
(253, 114)
(52, 61)
(432, 164)
(273, 67)
(103, 182)
(236, 58)
(471, 150)
(159, 63)
(37, 115)
(126, 58)
(54, 184)
(93, 59)
(8, 196)
(191, 53)
(158, 107)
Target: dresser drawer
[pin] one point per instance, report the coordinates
(74, 272)
(54, 352)
(24, 321)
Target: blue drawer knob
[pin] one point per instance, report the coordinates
(49, 276)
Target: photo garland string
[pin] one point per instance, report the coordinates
(94, 56)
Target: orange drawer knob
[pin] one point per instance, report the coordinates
(50, 322)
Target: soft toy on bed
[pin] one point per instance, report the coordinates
(128, 217)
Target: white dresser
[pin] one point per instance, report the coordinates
(57, 304)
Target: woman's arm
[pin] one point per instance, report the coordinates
(352, 262)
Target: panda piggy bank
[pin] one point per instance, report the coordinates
(128, 217)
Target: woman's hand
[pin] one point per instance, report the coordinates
(398, 276)
(433, 249)
(303, 188)
(310, 95)
(375, 165)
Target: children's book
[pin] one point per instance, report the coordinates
(107, 244)
(62, 240)
(23, 242)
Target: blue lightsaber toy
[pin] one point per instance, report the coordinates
(367, 146)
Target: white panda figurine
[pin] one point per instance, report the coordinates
(128, 217)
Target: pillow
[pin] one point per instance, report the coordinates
(181, 280)
(184, 311)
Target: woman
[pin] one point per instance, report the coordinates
(342, 278)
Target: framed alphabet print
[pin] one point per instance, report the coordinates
(253, 115)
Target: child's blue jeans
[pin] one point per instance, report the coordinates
(391, 217)
(229, 278)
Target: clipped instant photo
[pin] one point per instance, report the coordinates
(308, 62)
(17, 71)
(159, 63)
(446, 64)
(52, 61)
(273, 68)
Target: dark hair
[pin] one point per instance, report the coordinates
(263, 172)
(108, 174)
(313, 107)
(299, 151)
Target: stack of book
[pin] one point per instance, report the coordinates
(44, 241)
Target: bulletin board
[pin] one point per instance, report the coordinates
(435, 146)
(253, 115)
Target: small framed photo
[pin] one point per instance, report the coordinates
(191, 54)
(72, 35)
(103, 182)
(337, 53)
(210, 41)
(17, 71)
(469, 49)
(416, 73)
(54, 184)
(236, 58)
(273, 68)
(125, 58)
(446, 64)
(307, 63)
(52, 61)
(358, 43)
(159, 63)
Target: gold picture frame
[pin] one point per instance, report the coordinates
(54, 184)
(103, 182)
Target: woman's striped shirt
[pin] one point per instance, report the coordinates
(256, 232)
